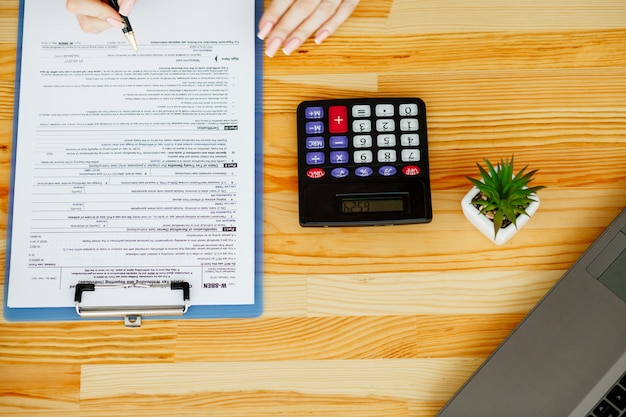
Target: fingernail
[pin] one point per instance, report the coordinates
(126, 6)
(265, 30)
(273, 46)
(321, 37)
(291, 46)
(115, 23)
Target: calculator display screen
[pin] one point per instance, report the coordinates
(354, 205)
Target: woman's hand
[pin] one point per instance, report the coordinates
(94, 16)
(288, 23)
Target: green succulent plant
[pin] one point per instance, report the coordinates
(502, 193)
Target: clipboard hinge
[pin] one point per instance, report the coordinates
(132, 315)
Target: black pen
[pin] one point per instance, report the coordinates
(128, 30)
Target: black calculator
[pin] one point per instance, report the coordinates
(363, 162)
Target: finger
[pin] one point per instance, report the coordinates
(126, 6)
(299, 12)
(95, 25)
(271, 15)
(320, 15)
(291, 19)
(93, 16)
(341, 15)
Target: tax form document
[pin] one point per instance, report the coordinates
(137, 168)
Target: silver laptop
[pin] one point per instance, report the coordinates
(568, 356)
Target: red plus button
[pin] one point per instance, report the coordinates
(337, 119)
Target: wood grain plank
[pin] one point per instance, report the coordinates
(256, 403)
(244, 404)
(27, 388)
(447, 245)
(284, 295)
(460, 292)
(496, 96)
(421, 52)
(434, 16)
(86, 342)
(403, 379)
(347, 338)
(8, 21)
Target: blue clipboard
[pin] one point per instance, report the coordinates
(187, 308)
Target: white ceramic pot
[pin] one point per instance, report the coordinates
(485, 225)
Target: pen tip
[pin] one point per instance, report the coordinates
(131, 39)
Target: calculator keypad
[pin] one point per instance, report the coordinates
(361, 139)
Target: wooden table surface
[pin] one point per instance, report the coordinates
(385, 321)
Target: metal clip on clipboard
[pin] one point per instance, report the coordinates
(132, 315)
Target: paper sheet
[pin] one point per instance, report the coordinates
(135, 166)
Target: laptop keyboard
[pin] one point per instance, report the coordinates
(613, 404)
